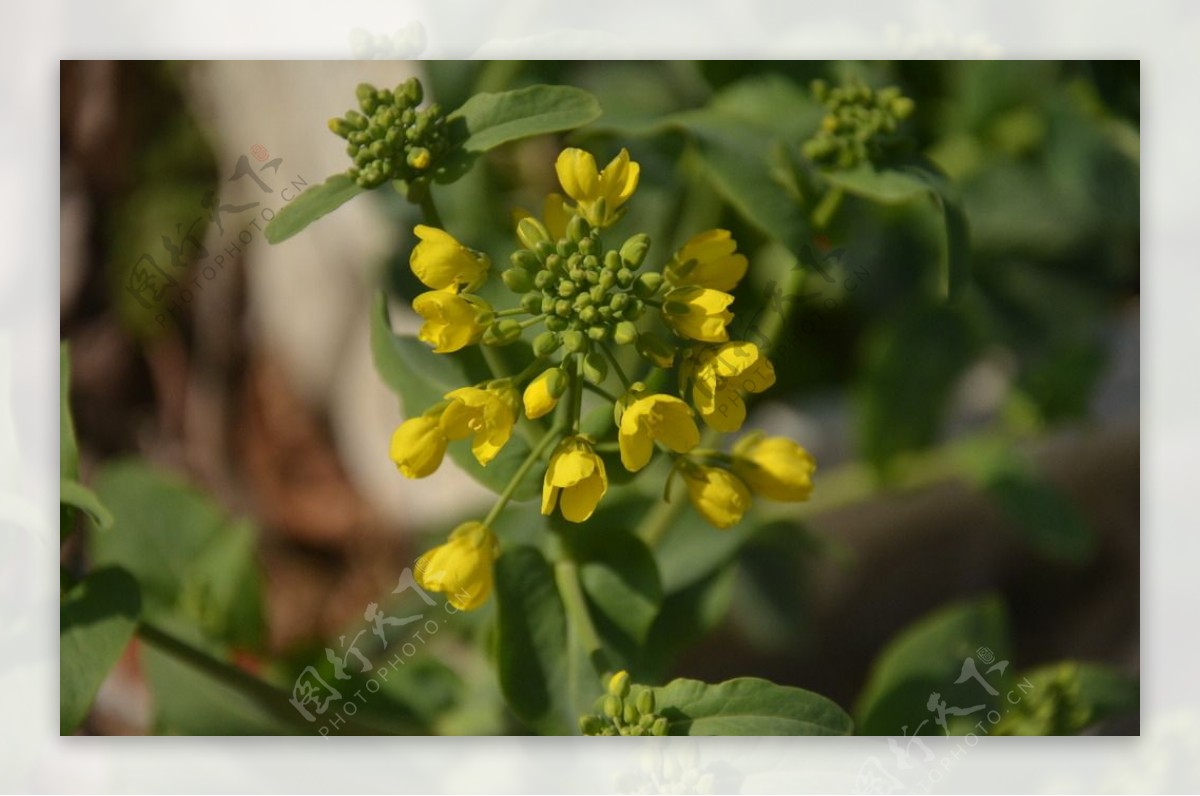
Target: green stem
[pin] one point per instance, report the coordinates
(603, 393)
(566, 576)
(577, 382)
(267, 697)
(511, 312)
(824, 211)
(534, 454)
(429, 210)
(616, 367)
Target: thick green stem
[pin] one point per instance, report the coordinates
(566, 575)
(267, 697)
(534, 454)
(428, 209)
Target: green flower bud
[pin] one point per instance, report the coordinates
(556, 324)
(562, 308)
(619, 301)
(613, 707)
(566, 288)
(645, 701)
(523, 258)
(618, 684)
(590, 262)
(634, 250)
(630, 714)
(625, 333)
(578, 229)
(588, 314)
(612, 261)
(366, 97)
(517, 280)
(574, 341)
(544, 249)
(647, 285)
(554, 263)
(607, 280)
(577, 275)
(546, 344)
(419, 158)
(591, 277)
(902, 107)
(634, 310)
(532, 233)
(543, 280)
(660, 727)
(590, 725)
(624, 277)
(597, 333)
(565, 248)
(412, 91)
(532, 302)
(587, 246)
(502, 333)
(340, 127)
(583, 300)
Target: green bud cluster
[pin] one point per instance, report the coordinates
(587, 294)
(389, 138)
(860, 124)
(625, 709)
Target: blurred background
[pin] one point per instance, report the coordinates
(981, 456)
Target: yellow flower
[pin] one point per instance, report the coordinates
(599, 194)
(487, 412)
(774, 467)
(442, 263)
(452, 320)
(698, 313)
(650, 418)
(578, 474)
(555, 215)
(542, 394)
(418, 446)
(708, 260)
(719, 495)
(462, 567)
(719, 375)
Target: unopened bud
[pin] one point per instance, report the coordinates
(574, 341)
(412, 91)
(589, 725)
(595, 368)
(625, 333)
(546, 344)
(659, 727)
(613, 707)
(523, 258)
(630, 714)
(618, 684)
(532, 233)
(517, 280)
(612, 261)
(633, 252)
(340, 127)
(502, 333)
(578, 228)
(645, 701)
(902, 107)
(647, 285)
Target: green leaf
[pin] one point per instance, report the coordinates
(686, 617)
(908, 181)
(912, 366)
(619, 578)
(1047, 518)
(927, 658)
(311, 204)
(531, 642)
(73, 493)
(191, 561)
(420, 377)
(494, 119)
(98, 617)
(68, 450)
(747, 706)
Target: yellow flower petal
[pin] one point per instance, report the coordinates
(720, 375)
(451, 319)
(774, 467)
(487, 413)
(462, 567)
(698, 313)
(538, 399)
(599, 195)
(650, 418)
(442, 263)
(575, 480)
(718, 495)
(418, 446)
(708, 260)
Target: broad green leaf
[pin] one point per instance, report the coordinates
(421, 378)
(311, 204)
(1067, 698)
(191, 561)
(912, 366)
(771, 102)
(531, 642)
(495, 119)
(928, 658)
(619, 577)
(98, 617)
(909, 181)
(747, 706)
(73, 493)
(1047, 518)
(686, 617)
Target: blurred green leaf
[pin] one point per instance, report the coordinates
(421, 377)
(312, 203)
(73, 493)
(495, 119)
(927, 659)
(620, 579)
(747, 706)
(191, 562)
(531, 642)
(912, 366)
(68, 450)
(686, 617)
(97, 619)
(1047, 518)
